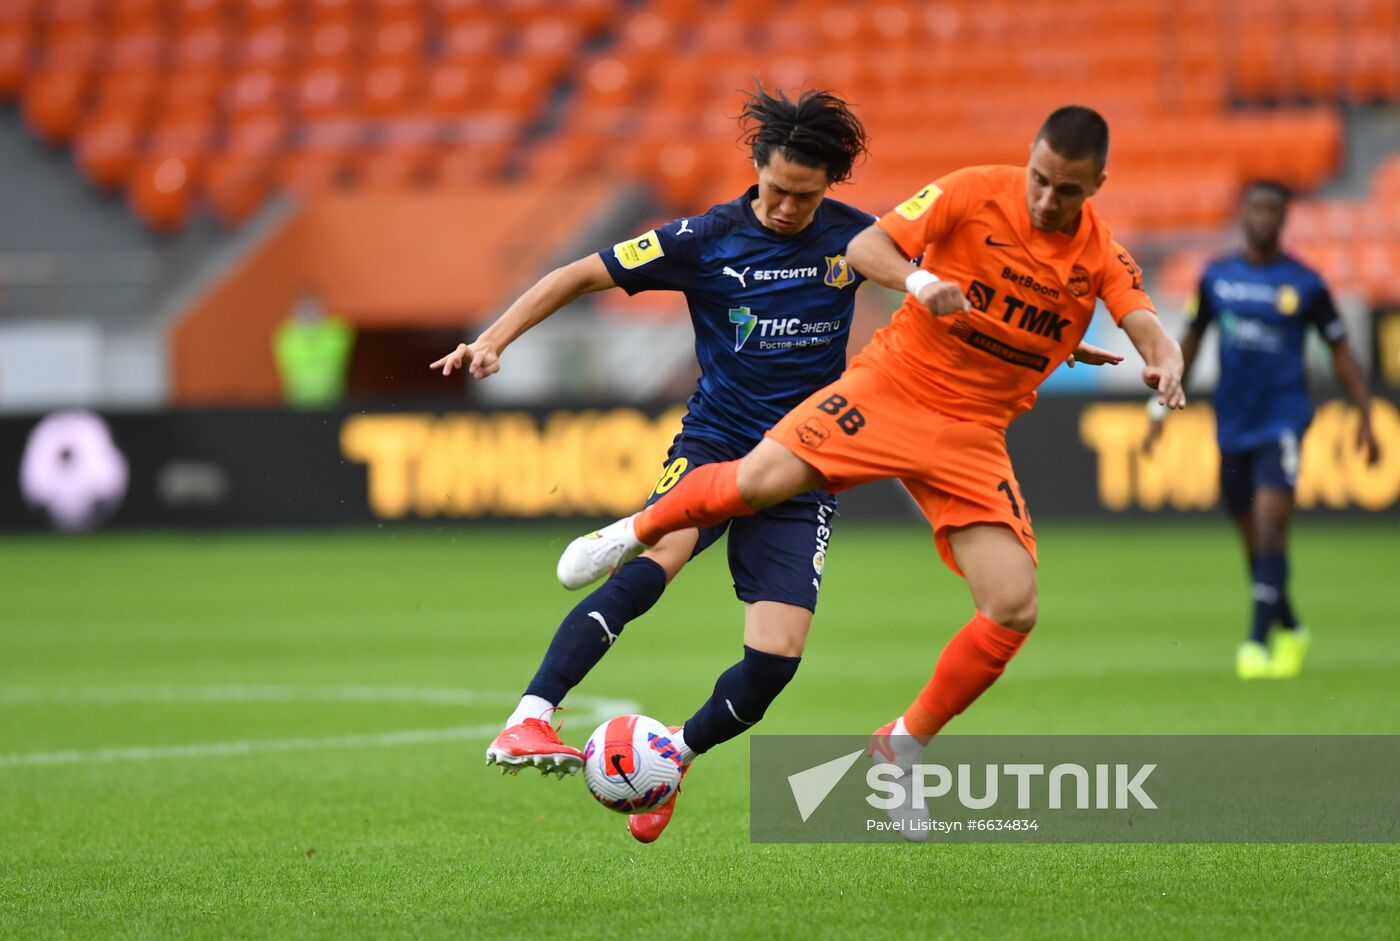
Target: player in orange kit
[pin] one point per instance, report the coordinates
(1013, 262)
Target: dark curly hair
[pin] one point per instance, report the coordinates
(817, 130)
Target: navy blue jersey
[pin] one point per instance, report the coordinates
(772, 312)
(1263, 313)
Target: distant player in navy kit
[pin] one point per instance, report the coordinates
(1263, 301)
(771, 299)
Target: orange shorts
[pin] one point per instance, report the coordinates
(864, 427)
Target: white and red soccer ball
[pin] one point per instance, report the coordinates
(630, 764)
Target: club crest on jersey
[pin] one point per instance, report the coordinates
(813, 434)
(1079, 281)
(1287, 300)
(916, 205)
(638, 251)
(744, 321)
(838, 272)
(980, 295)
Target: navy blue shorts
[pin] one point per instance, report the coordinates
(777, 554)
(1272, 465)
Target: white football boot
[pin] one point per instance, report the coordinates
(589, 558)
(888, 746)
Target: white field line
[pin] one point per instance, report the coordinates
(590, 709)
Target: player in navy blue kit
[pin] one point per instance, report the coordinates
(1263, 301)
(771, 299)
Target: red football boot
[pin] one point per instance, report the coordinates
(645, 828)
(535, 743)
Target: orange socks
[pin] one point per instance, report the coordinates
(707, 495)
(971, 662)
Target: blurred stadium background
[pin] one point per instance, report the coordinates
(233, 233)
(180, 176)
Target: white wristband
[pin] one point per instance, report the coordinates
(918, 280)
(1156, 410)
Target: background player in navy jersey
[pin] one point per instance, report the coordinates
(1263, 301)
(771, 299)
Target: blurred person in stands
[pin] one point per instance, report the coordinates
(1264, 300)
(312, 350)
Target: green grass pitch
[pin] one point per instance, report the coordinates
(243, 736)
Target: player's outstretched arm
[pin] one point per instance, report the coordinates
(874, 254)
(562, 285)
(1353, 382)
(1190, 346)
(1091, 355)
(1162, 355)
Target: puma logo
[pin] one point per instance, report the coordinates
(609, 636)
(738, 274)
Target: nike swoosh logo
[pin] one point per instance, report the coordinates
(995, 244)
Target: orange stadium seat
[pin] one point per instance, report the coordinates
(472, 39)
(516, 87)
(397, 41)
(269, 44)
(566, 157)
(333, 42)
(138, 46)
(450, 88)
(126, 13)
(256, 13)
(53, 103)
(323, 156)
(130, 90)
(189, 13)
(393, 168)
(331, 11)
(200, 44)
(255, 135)
(235, 186)
(257, 90)
(188, 137)
(388, 88)
(324, 90)
(468, 166)
(191, 90)
(311, 171)
(70, 11)
(551, 39)
(393, 9)
(160, 191)
(14, 58)
(106, 147)
(76, 45)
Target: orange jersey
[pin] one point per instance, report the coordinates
(1032, 293)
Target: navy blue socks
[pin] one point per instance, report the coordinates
(590, 629)
(742, 695)
(1270, 595)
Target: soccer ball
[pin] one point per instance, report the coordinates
(630, 764)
